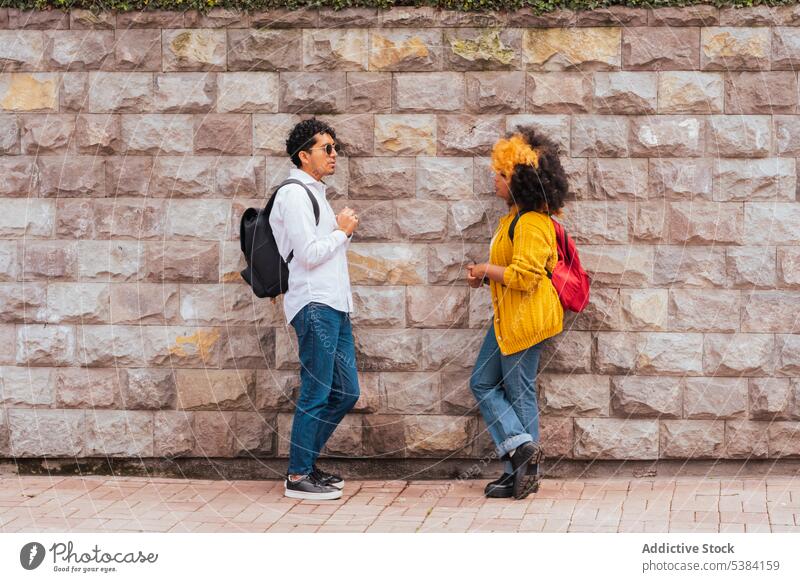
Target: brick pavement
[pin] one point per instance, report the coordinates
(135, 504)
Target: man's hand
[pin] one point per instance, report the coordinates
(347, 220)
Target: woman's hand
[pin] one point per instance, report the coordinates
(475, 275)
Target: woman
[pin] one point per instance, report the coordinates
(527, 311)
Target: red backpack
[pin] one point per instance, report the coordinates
(570, 280)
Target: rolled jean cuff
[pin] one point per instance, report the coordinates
(512, 443)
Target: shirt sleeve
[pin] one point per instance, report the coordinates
(531, 252)
(298, 218)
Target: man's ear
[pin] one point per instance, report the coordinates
(304, 156)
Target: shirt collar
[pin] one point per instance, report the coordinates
(305, 178)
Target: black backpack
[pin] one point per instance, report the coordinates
(266, 272)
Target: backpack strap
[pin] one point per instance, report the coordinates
(513, 226)
(311, 197)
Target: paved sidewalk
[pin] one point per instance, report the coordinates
(130, 504)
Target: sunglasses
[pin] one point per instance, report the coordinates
(329, 148)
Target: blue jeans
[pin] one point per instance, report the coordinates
(505, 388)
(328, 381)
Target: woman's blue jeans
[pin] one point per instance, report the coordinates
(505, 388)
(328, 381)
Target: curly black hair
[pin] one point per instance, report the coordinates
(544, 188)
(301, 138)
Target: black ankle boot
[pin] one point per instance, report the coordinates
(500, 488)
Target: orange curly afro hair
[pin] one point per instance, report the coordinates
(511, 152)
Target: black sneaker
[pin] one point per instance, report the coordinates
(328, 478)
(308, 487)
(525, 455)
(500, 488)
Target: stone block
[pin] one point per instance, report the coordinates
(644, 309)
(332, 49)
(617, 179)
(9, 262)
(770, 398)
(456, 396)
(73, 92)
(405, 50)
(603, 312)
(29, 92)
(599, 136)
(247, 92)
(276, 390)
(68, 176)
(648, 222)
(80, 303)
(691, 92)
(372, 178)
(556, 127)
(444, 178)
(427, 92)
(73, 50)
(625, 93)
(729, 48)
(450, 350)
(128, 175)
(559, 92)
(616, 265)
(137, 50)
(494, 92)
(384, 435)
(48, 260)
(173, 435)
(381, 264)
(480, 49)
(250, 346)
(739, 136)
(27, 218)
(746, 439)
(763, 92)
(437, 307)
(569, 353)
(22, 302)
(447, 263)
(715, 398)
(369, 92)
(669, 354)
(42, 345)
(574, 394)
(144, 303)
(313, 93)
(184, 92)
(74, 218)
(150, 19)
(193, 50)
(746, 180)
(643, 396)
(771, 223)
(699, 310)
(788, 261)
(88, 388)
(270, 131)
(560, 49)
(22, 50)
(597, 222)
(436, 436)
(236, 128)
(191, 262)
(658, 48)
(388, 350)
(347, 439)
(239, 177)
(681, 179)
(667, 136)
(109, 260)
(687, 266)
(421, 219)
(49, 134)
(198, 219)
(411, 392)
(782, 439)
(225, 305)
(9, 135)
(98, 134)
(158, 134)
(692, 439)
(754, 267)
(610, 438)
(467, 135)
(766, 311)
(114, 92)
(149, 389)
(739, 354)
(22, 387)
(47, 433)
(136, 218)
(305, 17)
(706, 223)
(216, 389)
(214, 434)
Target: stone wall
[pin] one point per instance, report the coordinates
(131, 143)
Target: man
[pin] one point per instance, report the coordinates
(318, 305)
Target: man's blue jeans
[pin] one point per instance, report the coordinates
(328, 381)
(505, 388)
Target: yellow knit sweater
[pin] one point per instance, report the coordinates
(526, 306)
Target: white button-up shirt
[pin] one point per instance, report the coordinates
(318, 272)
